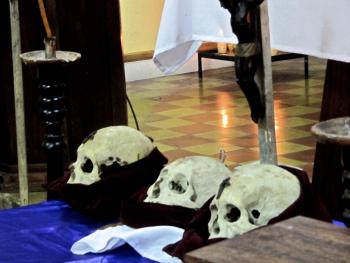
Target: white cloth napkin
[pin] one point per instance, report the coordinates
(148, 242)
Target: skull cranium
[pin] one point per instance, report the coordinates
(188, 182)
(120, 145)
(254, 195)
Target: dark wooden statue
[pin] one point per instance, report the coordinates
(243, 22)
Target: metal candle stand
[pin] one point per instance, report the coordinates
(51, 66)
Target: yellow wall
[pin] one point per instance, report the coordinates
(140, 23)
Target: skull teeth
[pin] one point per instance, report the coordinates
(175, 186)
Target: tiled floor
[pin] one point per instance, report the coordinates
(186, 116)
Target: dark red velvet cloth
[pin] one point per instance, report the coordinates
(308, 204)
(102, 199)
(136, 213)
(196, 235)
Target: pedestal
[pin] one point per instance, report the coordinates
(337, 132)
(51, 79)
(327, 174)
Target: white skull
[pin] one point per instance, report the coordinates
(188, 182)
(115, 144)
(255, 194)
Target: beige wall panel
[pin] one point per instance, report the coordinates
(140, 24)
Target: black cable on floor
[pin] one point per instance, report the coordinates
(133, 113)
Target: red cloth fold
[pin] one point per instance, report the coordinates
(196, 235)
(136, 213)
(102, 199)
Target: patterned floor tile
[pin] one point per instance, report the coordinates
(226, 122)
(164, 147)
(289, 147)
(307, 155)
(195, 128)
(184, 141)
(288, 134)
(169, 123)
(292, 122)
(203, 117)
(297, 110)
(244, 142)
(290, 162)
(176, 154)
(179, 113)
(211, 148)
(162, 134)
(243, 155)
(188, 102)
(187, 116)
(221, 135)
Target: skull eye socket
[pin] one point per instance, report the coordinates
(233, 213)
(87, 167)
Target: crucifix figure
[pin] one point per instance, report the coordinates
(243, 23)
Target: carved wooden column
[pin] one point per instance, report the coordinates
(96, 95)
(336, 131)
(51, 73)
(328, 170)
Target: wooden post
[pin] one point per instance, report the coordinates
(19, 102)
(267, 136)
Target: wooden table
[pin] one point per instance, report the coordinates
(299, 240)
(213, 54)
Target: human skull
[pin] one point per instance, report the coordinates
(188, 182)
(255, 194)
(115, 144)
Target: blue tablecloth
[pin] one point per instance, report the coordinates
(46, 231)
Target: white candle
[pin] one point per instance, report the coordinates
(230, 47)
(222, 48)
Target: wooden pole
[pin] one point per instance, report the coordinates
(19, 102)
(267, 136)
(44, 18)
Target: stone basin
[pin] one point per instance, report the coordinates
(333, 131)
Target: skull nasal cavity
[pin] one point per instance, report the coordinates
(233, 213)
(87, 166)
